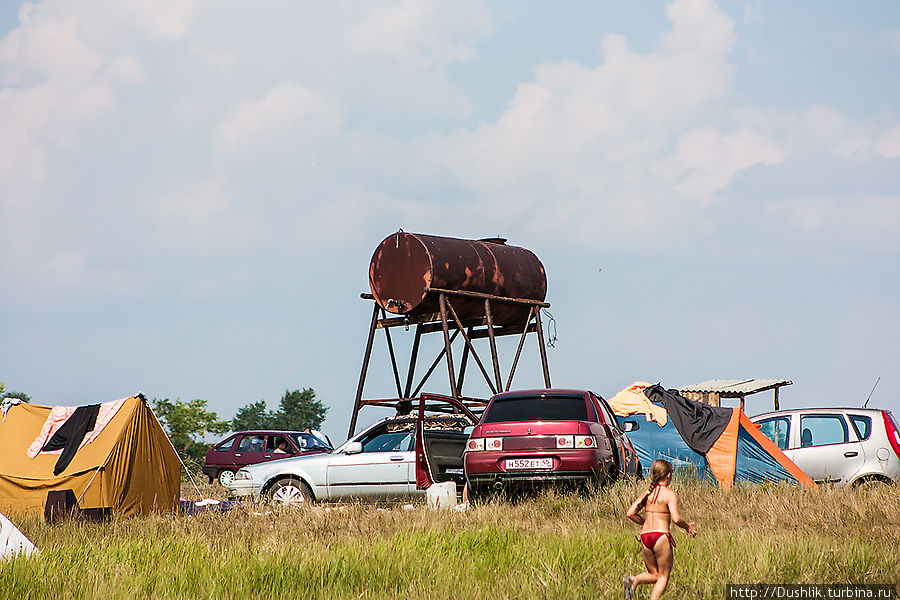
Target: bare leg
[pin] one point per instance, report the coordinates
(648, 576)
(664, 561)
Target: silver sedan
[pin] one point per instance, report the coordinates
(376, 464)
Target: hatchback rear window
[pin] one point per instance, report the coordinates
(863, 426)
(536, 408)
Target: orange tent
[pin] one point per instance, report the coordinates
(129, 466)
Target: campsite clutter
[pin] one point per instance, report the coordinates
(112, 456)
(12, 542)
(115, 457)
(709, 442)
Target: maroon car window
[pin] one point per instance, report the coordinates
(307, 441)
(226, 445)
(536, 408)
(608, 417)
(252, 443)
(592, 411)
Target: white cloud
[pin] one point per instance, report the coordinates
(888, 144)
(705, 160)
(421, 32)
(864, 221)
(287, 110)
(589, 136)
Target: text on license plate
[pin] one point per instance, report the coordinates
(529, 463)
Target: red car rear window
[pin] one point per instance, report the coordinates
(536, 408)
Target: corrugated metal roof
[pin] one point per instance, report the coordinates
(735, 388)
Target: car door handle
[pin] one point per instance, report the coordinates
(396, 458)
(850, 454)
(268, 456)
(237, 453)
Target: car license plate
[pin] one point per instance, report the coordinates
(529, 463)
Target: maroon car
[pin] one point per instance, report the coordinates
(540, 436)
(251, 447)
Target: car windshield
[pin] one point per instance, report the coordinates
(307, 441)
(537, 408)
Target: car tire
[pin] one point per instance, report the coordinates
(225, 477)
(290, 492)
(870, 481)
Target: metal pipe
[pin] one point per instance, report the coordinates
(390, 345)
(512, 370)
(414, 355)
(433, 366)
(365, 368)
(472, 348)
(540, 334)
(442, 300)
(494, 356)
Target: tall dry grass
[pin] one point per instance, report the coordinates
(554, 546)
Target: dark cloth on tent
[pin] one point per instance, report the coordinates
(68, 438)
(700, 425)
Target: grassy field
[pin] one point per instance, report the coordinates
(554, 546)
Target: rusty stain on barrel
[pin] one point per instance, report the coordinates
(405, 265)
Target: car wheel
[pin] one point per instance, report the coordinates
(870, 481)
(290, 492)
(226, 477)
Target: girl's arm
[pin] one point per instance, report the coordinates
(634, 509)
(676, 516)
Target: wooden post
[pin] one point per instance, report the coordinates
(776, 397)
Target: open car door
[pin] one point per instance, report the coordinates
(439, 452)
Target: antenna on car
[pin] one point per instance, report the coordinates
(870, 393)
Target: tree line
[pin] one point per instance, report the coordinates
(189, 422)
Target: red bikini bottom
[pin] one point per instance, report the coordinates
(649, 539)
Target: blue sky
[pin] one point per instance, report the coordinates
(190, 192)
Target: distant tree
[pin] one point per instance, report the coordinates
(187, 422)
(299, 410)
(20, 395)
(252, 416)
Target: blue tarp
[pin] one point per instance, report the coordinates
(651, 441)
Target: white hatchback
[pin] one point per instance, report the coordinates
(840, 446)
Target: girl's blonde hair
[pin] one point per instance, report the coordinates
(659, 470)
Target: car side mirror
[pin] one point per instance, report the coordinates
(353, 448)
(629, 426)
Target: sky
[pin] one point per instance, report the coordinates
(191, 191)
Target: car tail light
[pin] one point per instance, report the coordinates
(475, 445)
(565, 441)
(893, 434)
(585, 441)
(493, 444)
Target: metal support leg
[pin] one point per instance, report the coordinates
(494, 356)
(543, 349)
(365, 367)
(443, 303)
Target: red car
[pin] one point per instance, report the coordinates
(251, 447)
(541, 436)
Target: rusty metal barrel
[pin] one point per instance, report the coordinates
(408, 270)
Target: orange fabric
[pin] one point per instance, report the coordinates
(721, 457)
(130, 467)
(632, 401)
(772, 449)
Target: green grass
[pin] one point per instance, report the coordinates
(554, 546)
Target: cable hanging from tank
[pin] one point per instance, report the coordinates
(551, 328)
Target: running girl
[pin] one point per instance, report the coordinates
(660, 505)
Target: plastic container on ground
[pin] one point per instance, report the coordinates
(441, 495)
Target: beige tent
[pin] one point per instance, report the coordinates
(130, 466)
